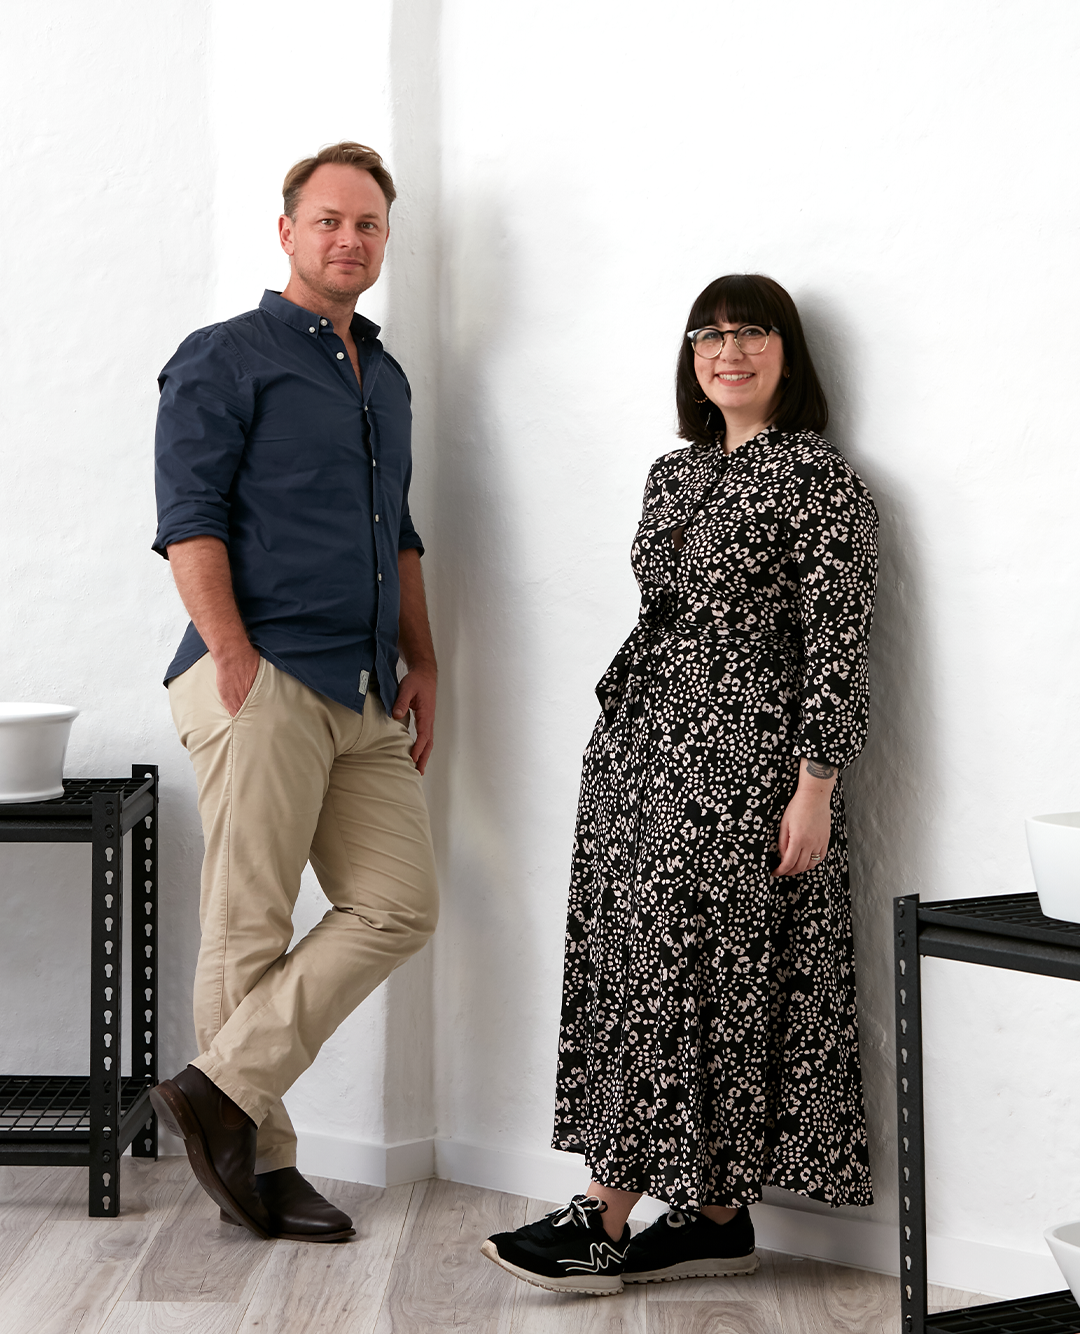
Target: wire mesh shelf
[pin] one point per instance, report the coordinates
(46, 1107)
(1052, 1313)
(90, 1120)
(1016, 915)
(77, 801)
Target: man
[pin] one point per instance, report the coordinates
(283, 470)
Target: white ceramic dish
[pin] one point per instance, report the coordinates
(1054, 848)
(1064, 1243)
(33, 742)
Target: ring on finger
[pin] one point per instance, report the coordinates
(815, 856)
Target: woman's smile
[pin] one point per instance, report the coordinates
(745, 387)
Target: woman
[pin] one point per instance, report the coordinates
(709, 1043)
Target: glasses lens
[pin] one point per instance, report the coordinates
(708, 342)
(752, 338)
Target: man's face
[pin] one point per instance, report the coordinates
(337, 240)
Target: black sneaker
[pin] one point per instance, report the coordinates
(566, 1251)
(685, 1244)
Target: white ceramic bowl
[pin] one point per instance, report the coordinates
(1064, 1243)
(1054, 847)
(33, 741)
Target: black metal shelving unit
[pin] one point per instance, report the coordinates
(1007, 931)
(75, 1120)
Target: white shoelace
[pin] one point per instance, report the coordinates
(577, 1211)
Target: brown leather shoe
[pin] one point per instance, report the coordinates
(219, 1138)
(297, 1211)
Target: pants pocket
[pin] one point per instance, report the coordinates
(255, 685)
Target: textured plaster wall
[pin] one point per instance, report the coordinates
(571, 176)
(105, 236)
(275, 97)
(905, 172)
(144, 150)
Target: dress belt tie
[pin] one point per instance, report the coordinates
(705, 630)
(631, 663)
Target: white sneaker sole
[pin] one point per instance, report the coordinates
(732, 1268)
(596, 1286)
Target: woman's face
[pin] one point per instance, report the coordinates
(744, 388)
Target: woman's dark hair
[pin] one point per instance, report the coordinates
(750, 298)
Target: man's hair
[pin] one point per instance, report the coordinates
(348, 153)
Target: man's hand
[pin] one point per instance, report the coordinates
(200, 566)
(236, 675)
(417, 692)
(417, 688)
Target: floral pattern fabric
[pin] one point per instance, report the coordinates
(709, 1040)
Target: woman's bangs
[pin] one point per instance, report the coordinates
(737, 299)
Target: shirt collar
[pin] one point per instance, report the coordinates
(307, 321)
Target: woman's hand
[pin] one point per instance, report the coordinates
(807, 822)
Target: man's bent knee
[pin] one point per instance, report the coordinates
(404, 930)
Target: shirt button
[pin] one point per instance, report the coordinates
(376, 518)
(380, 578)
(311, 328)
(322, 322)
(341, 356)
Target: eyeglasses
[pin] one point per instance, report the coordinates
(751, 339)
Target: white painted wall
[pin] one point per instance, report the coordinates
(265, 117)
(105, 236)
(145, 153)
(905, 172)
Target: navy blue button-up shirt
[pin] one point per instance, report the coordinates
(265, 440)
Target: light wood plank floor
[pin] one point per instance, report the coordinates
(168, 1264)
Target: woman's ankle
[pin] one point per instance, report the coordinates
(618, 1205)
(715, 1213)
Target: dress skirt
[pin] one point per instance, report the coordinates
(709, 1041)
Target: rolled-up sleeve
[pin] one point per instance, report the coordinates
(205, 411)
(408, 537)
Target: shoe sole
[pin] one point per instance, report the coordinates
(590, 1287)
(737, 1267)
(299, 1236)
(178, 1117)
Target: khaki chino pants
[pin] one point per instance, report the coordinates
(295, 777)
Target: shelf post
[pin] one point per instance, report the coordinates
(106, 992)
(144, 963)
(909, 1103)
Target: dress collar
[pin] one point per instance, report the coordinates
(751, 446)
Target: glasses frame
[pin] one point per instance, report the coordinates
(772, 329)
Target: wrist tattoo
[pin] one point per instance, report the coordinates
(818, 770)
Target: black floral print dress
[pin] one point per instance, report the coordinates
(709, 1043)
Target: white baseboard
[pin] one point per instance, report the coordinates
(976, 1266)
(372, 1164)
(970, 1266)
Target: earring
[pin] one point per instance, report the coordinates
(702, 399)
(787, 372)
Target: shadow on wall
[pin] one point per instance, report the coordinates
(408, 1083)
(488, 957)
(892, 787)
(450, 293)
